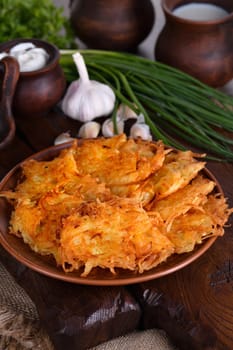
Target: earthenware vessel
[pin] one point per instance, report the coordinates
(38, 91)
(113, 24)
(9, 74)
(202, 48)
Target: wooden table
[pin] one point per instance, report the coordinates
(194, 305)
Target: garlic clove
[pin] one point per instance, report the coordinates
(62, 138)
(108, 127)
(141, 119)
(87, 99)
(141, 130)
(89, 130)
(125, 112)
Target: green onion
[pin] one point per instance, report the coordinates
(178, 108)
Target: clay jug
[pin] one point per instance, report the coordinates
(201, 47)
(119, 25)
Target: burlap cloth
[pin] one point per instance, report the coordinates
(20, 328)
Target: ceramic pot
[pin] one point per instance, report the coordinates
(9, 75)
(113, 24)
(38, 91)
(201, 48)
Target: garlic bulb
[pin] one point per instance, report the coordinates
(140, 130)
(108, 127)
(62, 138)
(87, 99)
(89, 130)
(29, 57)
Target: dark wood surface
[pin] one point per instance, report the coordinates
(194, 305)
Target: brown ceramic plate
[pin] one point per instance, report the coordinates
(46, 265)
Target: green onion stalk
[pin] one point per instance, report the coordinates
(179, 109)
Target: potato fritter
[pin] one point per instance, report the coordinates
(116, 203)
(178, 169)
(191, 196)
(195, 225)
(124, 164)
(113, 234)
